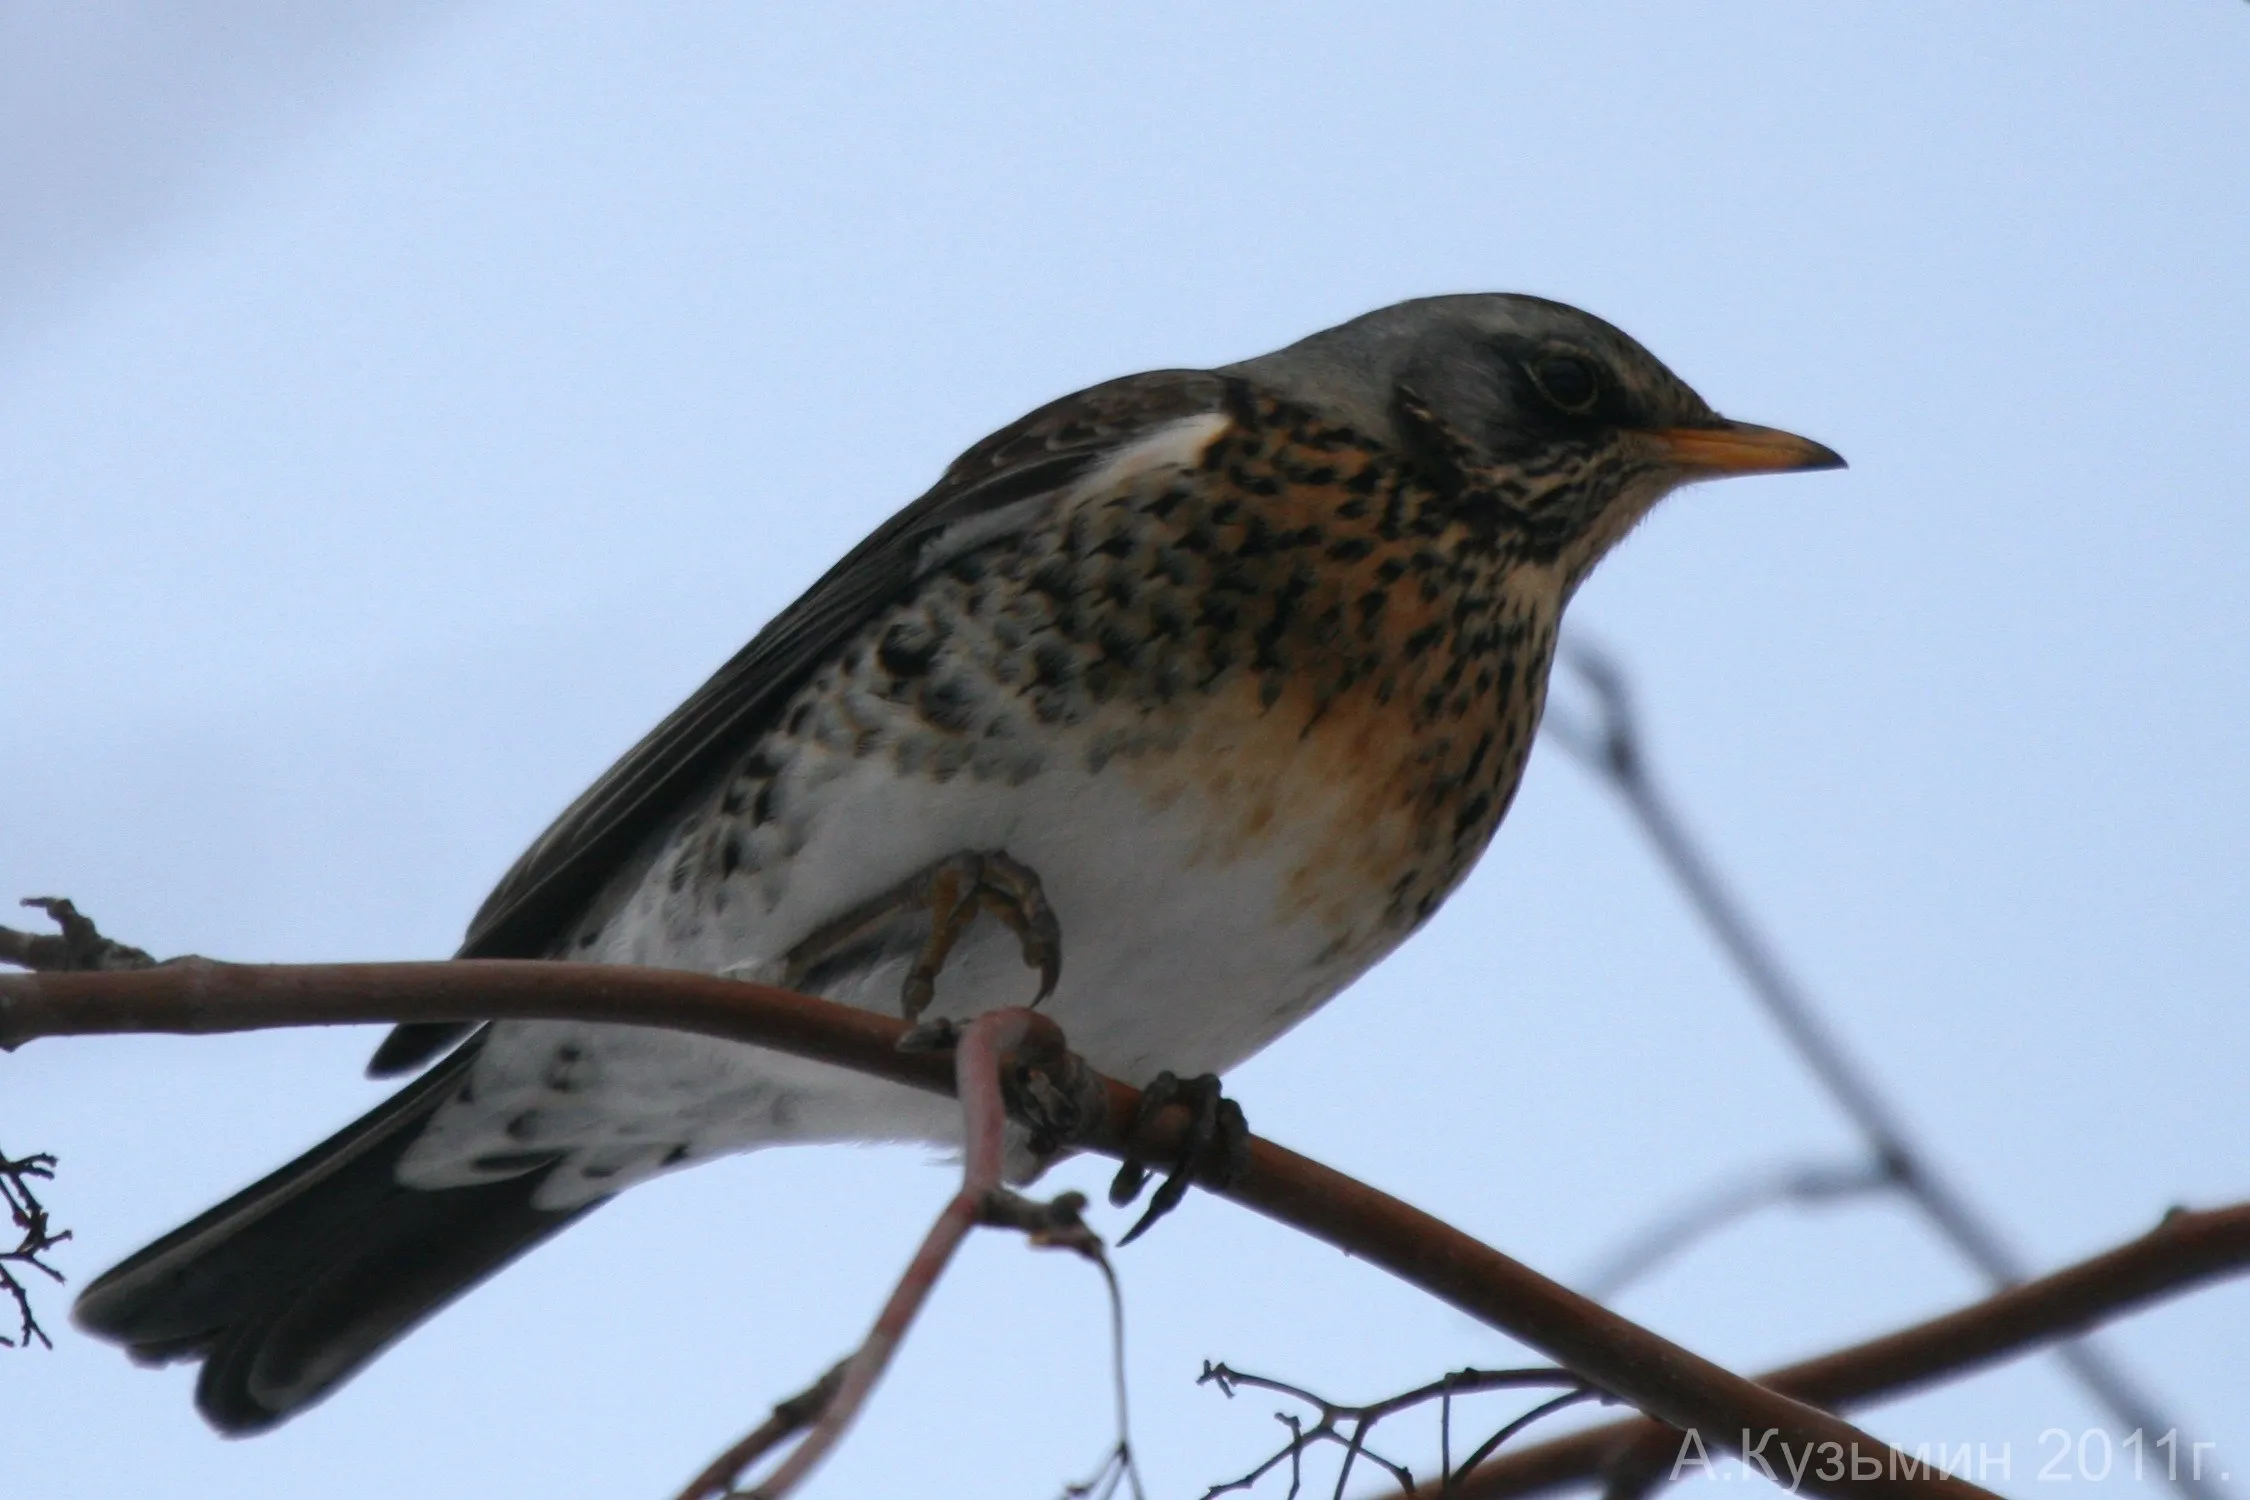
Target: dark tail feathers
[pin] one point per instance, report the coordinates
(287, 1288)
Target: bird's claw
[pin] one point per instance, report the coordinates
(959, 887)
(1216, 1150)
(949, 894)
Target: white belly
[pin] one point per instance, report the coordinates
(1185, 948)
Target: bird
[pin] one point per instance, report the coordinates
(1171, 707)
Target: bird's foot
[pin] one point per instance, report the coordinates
(1049, 1090)
(950, 893)
(1216, 1151)
(955, 890)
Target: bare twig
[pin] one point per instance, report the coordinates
(1609, 1353)
(2185, 1248)
(1349, 1427)
(78, 948)
(1613, 748)
(35, 1236)
(985, 1044)
(789, 1418)
(1121, 1466)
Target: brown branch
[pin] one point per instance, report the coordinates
(2183, 1249)
(1613, 1355)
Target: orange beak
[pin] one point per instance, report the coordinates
(1739, 448)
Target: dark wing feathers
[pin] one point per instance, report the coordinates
(534, 905)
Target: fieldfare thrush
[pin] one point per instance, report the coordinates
(1173, 706)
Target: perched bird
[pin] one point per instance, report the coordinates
(1177, 703)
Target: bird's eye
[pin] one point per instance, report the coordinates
(1568, 381)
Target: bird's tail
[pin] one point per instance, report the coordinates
(287, 1288)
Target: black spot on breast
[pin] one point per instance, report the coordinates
(1055, 578)
(907, 648)
(949, 705)
(1350, 549)
(730, 855)
(1054, 664)
(1422, 640)
(1118, 644)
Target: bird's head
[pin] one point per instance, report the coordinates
(1560, 426)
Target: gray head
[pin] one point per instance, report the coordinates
(1568, 424)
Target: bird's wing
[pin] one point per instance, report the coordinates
(996, 488)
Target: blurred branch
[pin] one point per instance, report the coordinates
(1607, 1352)
(1610, 744)
(2184, 1248)
(1715, 1209)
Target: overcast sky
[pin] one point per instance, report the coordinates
(402, 407)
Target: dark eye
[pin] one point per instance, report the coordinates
(1568, 381)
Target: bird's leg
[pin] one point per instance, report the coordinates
(951, 892)
(1216, 1151)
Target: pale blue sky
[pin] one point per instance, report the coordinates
(399, 414)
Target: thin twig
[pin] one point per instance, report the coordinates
(1547, 1408)
(1350, 1426)
(790, 1417)
(834, 1403)
(1614, 749)
(35, 1236)
(1122, 1460)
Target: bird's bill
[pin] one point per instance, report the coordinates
(1740, 448)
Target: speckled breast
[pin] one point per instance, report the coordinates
(1329, 655)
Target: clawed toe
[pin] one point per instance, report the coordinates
(1215, 1152)
(951, 892)
(957, 889)
(1010, 890)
